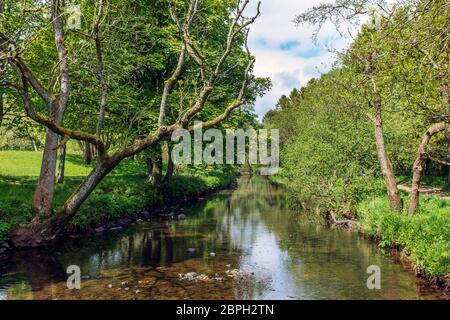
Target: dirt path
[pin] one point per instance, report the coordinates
(427, 191)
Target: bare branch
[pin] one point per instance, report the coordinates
(234, 30)
(445, 163)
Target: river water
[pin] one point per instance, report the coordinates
(240, 244)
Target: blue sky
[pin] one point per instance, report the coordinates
(286, 53)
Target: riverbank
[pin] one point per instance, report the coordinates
(239, 244)
(422, 240)
(122, 197)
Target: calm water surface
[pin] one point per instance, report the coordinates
(247, 246)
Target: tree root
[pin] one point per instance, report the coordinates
(344, 224)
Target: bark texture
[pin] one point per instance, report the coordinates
(395, 201)
(419, 165)
(62, 164)
(45, 188)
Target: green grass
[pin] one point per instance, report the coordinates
(27, 164)
(425, 236)
(124, 191)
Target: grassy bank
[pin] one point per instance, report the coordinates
(425, 237)
(124, 191)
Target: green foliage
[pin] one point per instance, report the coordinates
(125, 192)
(423, 236)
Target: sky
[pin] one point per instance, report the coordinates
(286, 53)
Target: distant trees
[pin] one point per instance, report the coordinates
(191, 64)
(395, 74)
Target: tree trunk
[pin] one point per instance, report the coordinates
(45, 188)
(418, 167)
(37, 235)
(87, 153)
(170, 167)
(62, 164)
(2, 111)
(154, 161)
(156, 172)
(445, 101)
(447, 136)
(395, 201)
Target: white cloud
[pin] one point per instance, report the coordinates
(286, 53)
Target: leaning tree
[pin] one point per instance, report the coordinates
(40, 232)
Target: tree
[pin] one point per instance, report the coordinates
(364, 56)
(210, 71)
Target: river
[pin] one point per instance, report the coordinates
(239, 244)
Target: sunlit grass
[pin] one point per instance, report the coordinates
(125, 191)
(425, 236)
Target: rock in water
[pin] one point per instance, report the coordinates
(182, 217)
(191, 250)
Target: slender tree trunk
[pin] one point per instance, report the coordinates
(445, 101)
(45, 188)
(170, 167)
(62, 164)
(418, 167)
(87, 153)
(156, 173)
(447, 136)
(2, 111)
(43, 196)
(154, 162)
(395, 201)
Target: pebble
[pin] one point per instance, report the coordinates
(110, 286)
(191, 250)
(212, 254)
(191, 275)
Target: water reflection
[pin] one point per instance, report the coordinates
(279, 254)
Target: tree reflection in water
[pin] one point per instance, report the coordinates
(281, 255)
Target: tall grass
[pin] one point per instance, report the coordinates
(424, 236)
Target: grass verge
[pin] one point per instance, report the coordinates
(425, 237)
(125, 191)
